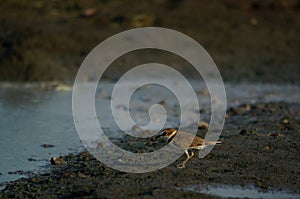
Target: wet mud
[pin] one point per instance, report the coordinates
(260, 148)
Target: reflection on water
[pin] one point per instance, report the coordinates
(227, 191)
(30, 118)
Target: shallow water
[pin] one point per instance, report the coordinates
(227, 191)
(31, 117)
(28, 120)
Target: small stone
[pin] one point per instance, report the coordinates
(276, 135)
(202, 125)
(63, 87)
(203, 92)
(285, 121)
(240, 110)
(163, 103)
(85, 153)
(81, 175)
(32, 159)
(122, 107)
(136, 128)
(243, 132)
(149, 143)
(142, 20)
(267, 148)
(16, 172)
(253, 21)
(58, 161)
(89, 12)
(247, 132)
(65, 175)
(47, 145)
(34, 180)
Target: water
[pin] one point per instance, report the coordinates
(31, 117)
(28, 120)
(251, 192)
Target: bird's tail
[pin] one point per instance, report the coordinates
(212, 142)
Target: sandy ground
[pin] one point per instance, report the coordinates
(260, 147)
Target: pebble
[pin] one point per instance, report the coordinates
(253, 21)
(16, 172)
(136, 128)
(47, 145)
(63, 87)
(122, 107)
(89, 12)
(142, 20)
(58, 161)
(81, 175)
(267, 148)
(276, 135)
(247, 132)
(202, 125)
(242, 109)
(163, 103)
(32, 159)
(285, 121)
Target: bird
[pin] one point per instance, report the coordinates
(180, 139)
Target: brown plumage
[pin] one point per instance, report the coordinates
(179, 140)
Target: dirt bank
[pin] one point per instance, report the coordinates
(249, 40)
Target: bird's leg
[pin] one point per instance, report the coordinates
(181, 166)
(192, 154)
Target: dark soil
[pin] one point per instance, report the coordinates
(249, 40)
(260, 147)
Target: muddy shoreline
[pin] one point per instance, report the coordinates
(260, 147)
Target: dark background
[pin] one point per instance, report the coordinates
(249, 40)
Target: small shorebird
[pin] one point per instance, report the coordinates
(178, 140)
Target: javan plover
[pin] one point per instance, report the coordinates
(178, 140)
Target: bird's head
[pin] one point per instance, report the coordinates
(167, 134)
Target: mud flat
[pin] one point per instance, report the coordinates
(259, 152)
